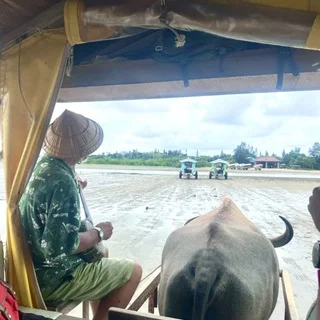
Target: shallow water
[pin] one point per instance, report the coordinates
(204, 174)
(140, 233)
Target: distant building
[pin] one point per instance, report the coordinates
(267, 162)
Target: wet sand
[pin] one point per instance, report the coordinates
(148, 168)
(140, 233)
(251, 173)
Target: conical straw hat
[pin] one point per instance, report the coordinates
(72, 136)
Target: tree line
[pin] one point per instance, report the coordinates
(243, 153)
(293, 159)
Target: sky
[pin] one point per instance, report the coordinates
(271, 121)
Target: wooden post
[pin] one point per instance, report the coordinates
(291, 312)
(122, 314)
(85, 310)
(156, 297)
(147, 290)
(1, 261)
(151, 302)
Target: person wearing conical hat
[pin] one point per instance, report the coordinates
(50, 214)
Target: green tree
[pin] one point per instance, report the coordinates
(314, 152)
(242, 152)
(304, 161)
(296, 159)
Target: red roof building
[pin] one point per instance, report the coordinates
(271, 162)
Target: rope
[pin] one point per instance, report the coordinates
(180, 38)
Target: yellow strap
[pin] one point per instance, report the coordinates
(313, 41)
(71, 22)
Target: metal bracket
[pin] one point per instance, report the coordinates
(185, 74)
(285, 55)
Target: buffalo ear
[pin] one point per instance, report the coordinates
(190, 220)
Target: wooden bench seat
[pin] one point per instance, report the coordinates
(123, 314)
(40, 312)
(65, 307)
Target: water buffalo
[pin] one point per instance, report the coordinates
(220, 266)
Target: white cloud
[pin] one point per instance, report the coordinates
(270, 122)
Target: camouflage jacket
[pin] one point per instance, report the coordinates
(50, 214)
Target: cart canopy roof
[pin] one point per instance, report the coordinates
(188, 160)
(272, 46)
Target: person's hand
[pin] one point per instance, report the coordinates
(314, 207)
(83, 183)
(106, 228)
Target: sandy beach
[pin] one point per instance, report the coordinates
(140, 233)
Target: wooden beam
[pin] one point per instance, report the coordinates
(145, 289)
(85, 310)
(243, 64)
(45, 19)
(2, 261)
(121, 314)
(291, 312)
(251, 71)
(63, 306)
(66, 317)
(201, 87)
